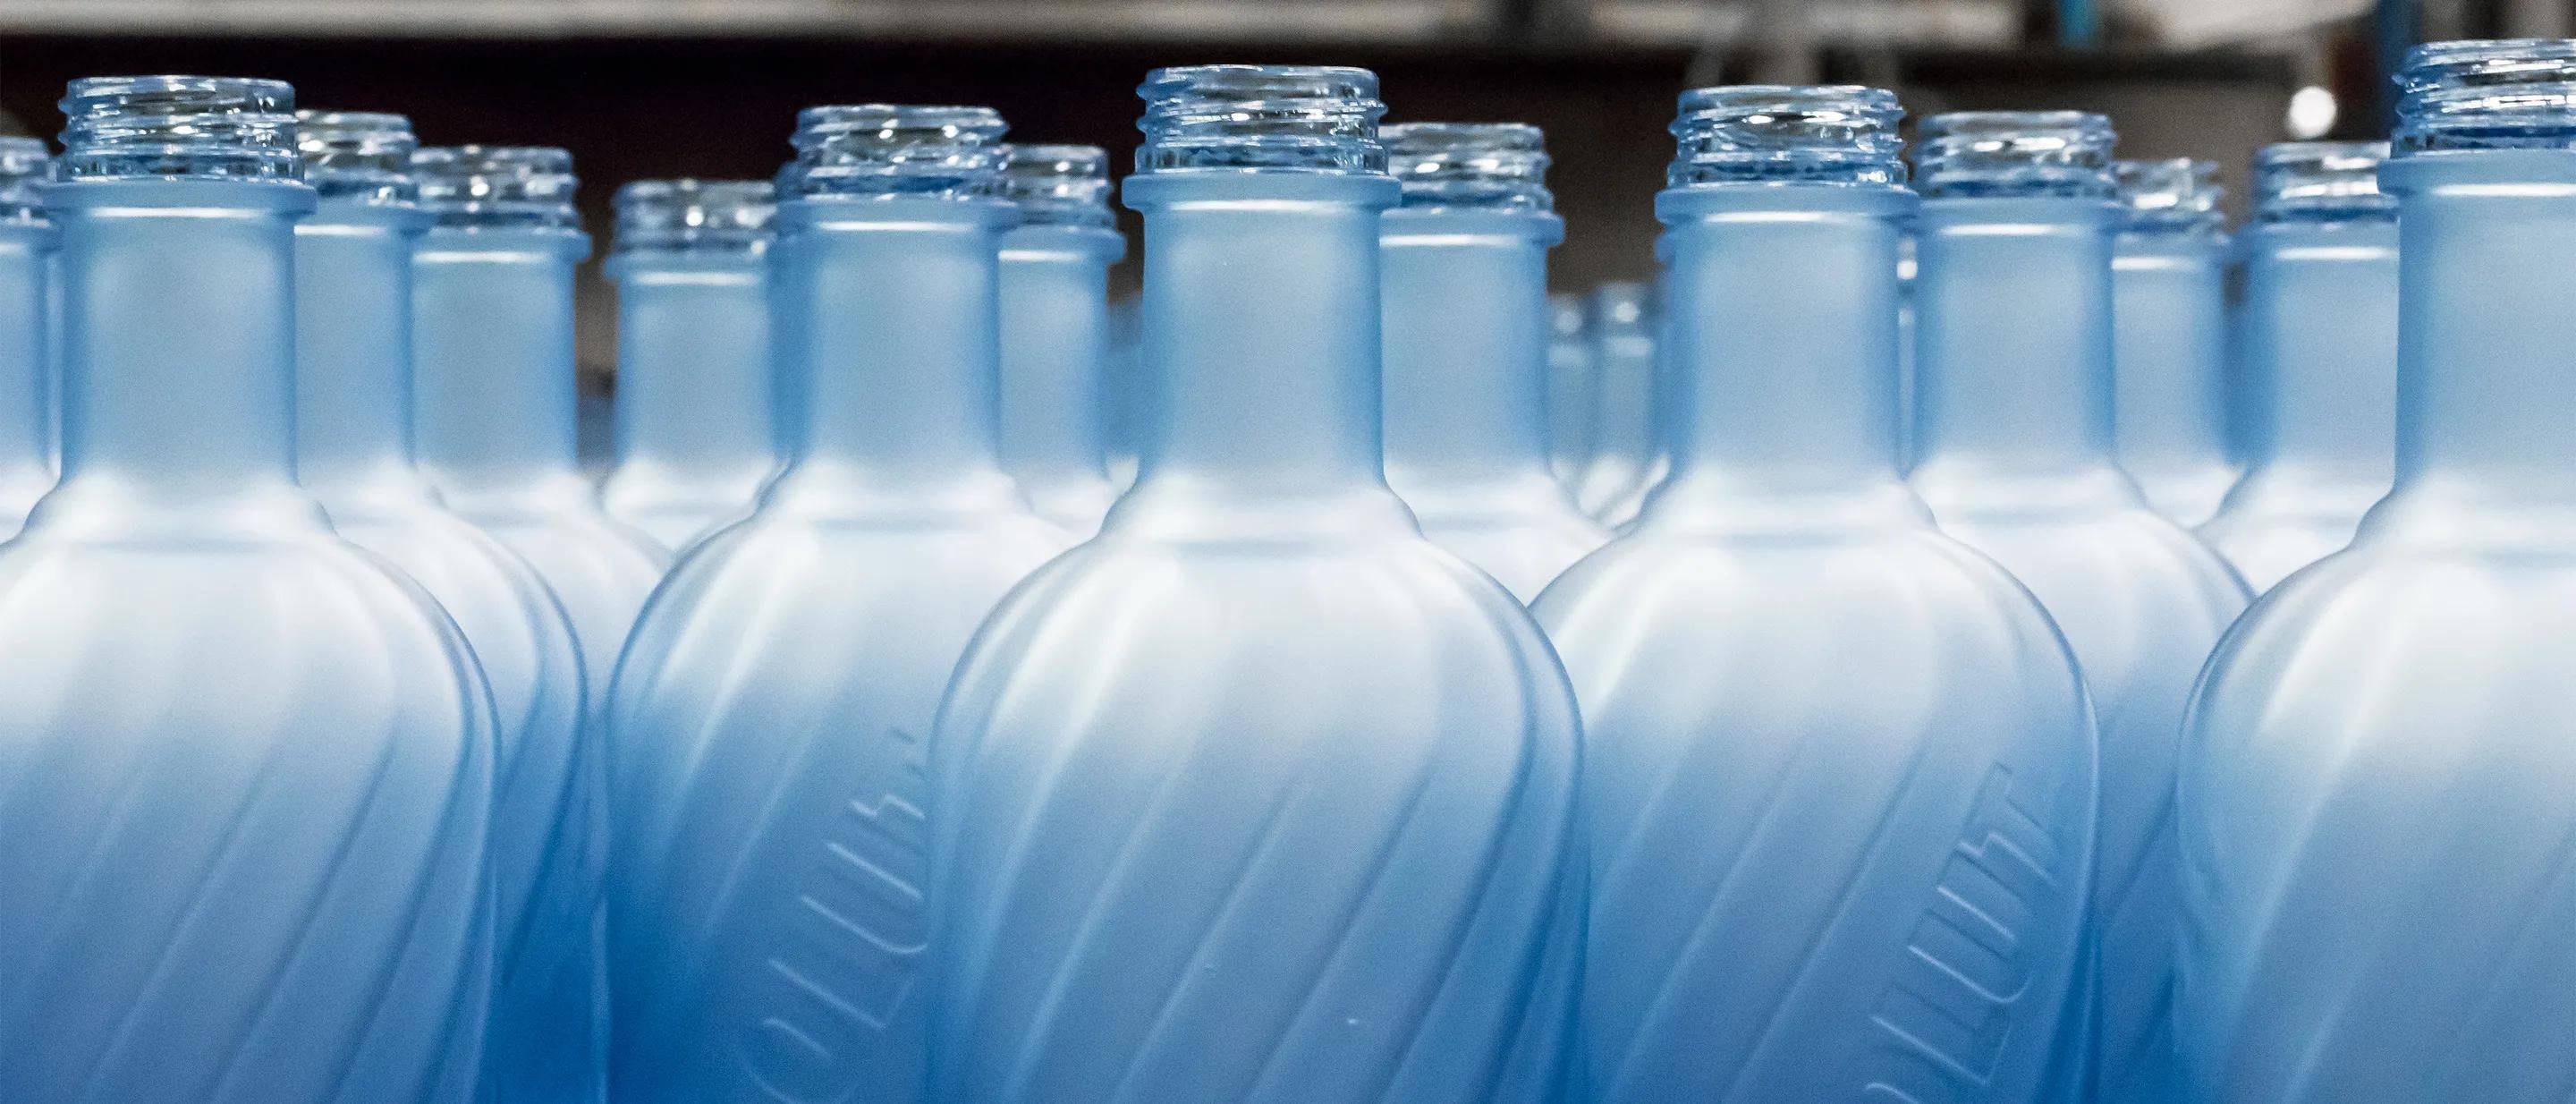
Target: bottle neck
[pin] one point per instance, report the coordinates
(178, 323)
(2320, 338)
(492, 336)
(1782, 308)
(1054, 350)
(1624, 360)
(26, 370)
(2169, 350)
(1466, 328)
(888, 311)
(353, 287)
(2013, 334)
(694, 381)
(1261, 341)
(2486, 400)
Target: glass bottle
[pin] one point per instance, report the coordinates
(2319, 329)
(694, 432)
(1258, 796)
(1055, 331)
(2013, 409)
(354, 455)
(1465, 274)
(492, 341)
(767, 927)
(26, 325)
(2379, 784)
(2169, 337)
(248, 769)
(1829, 752)
(1569, 389)
(1623, 368)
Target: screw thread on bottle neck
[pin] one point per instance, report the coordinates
(895, 151)
(1058, 185)
(1299, 118)
(498, 187)
(695, 216)
(361, 156)
(2486, 95)
(2016, 155)
(1787, 134)
(179, 128)
(2321, 183)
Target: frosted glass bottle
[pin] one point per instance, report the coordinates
(767, 927)
(2169, 337)
(1569, 389)
(1465, 272)
(2319, 329)
(2379, 783)
(1055, 331)
(492, 343)
(354, 455)
(1623, 368)
(1838, 768)
(695, 384)
(1622, 510)
(26, 331)
(2013, 414)
(245, 770)
(1259, 796)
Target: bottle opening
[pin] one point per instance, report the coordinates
(2016, 155)
(2176, 196)
(497, 187)
(894, 151)
(1058, 185)
(1469, 166)
(25, 165)
(1298, 118)
(2321, 182)
(695, 216)
(1783, 134)
(179, 128)
(359, 155)
(2488, 94)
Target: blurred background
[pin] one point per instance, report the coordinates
(655, 88)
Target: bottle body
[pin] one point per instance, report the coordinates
(253, 769)
(2168, 355)
(694, 393)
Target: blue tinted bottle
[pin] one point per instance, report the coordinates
(2014, 456)
(767, 926)
(354, 455)
(27, 297)
(2169, 337)
(2319, 339)
(1055, 331)
(695, 387)
(1466, 330)
(1569, 389)
(1839, 770)
(1259, 795)
(249, 768)
(1623, 382)
(2379, 783)
(492, 341)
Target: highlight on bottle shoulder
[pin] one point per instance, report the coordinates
(1278, 118)
(2015, 155)
(1469, 166)
(687, 215)
(362, 156)
(179, 128)
(895, 151)
(2321, 182)
(1057, 185)
(2174, 196)
(497, 187)
(25, 165)
(1787, 134)
(2487, 95)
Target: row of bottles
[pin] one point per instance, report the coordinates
(1830, 728)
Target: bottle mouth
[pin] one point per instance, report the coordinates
(1058, 185)
(1294, 118)
(363, 156)
(2486, 95)
(1469, 166)
(895, 151)
(2321, 182)
(2016, 155)
(179, 128)
(1787, 134)
(694, 216)
(2175, 196)
(497, 187)
(25, 165)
